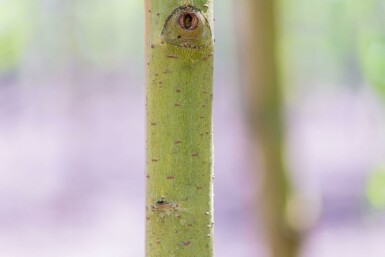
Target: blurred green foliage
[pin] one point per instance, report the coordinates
(89, 32)
(374, 64)
(318, 42)
(375, 189)
(107, 31)
(371, 24)
(13, 32)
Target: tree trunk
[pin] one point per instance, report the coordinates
(179, 213)
(263, 95)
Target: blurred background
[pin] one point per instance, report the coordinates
(72, 128)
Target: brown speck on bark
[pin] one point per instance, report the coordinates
(152, 46)
(158, 242)
(186, 243)
(154, 160)
(170, 177)
(177, 104)
(153, 123)
(195, 154)
(172, 56)
(178, 90)
(178, 142)
(199, 187)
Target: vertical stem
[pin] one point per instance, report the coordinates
(179, 216)
(264, 113)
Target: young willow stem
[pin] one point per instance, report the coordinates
(179, 212)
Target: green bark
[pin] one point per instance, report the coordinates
(263, 95)
(179, 213)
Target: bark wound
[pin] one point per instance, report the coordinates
(162, 207)
(188, 21)
(187, 27)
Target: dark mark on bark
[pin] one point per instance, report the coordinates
(188, 21)
(163, 206)
(170, 177)
(172, 56)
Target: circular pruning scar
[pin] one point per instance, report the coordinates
(187, 27)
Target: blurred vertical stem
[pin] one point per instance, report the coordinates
(263, 96)
(179, 128)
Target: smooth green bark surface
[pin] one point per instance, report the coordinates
(179, 216)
